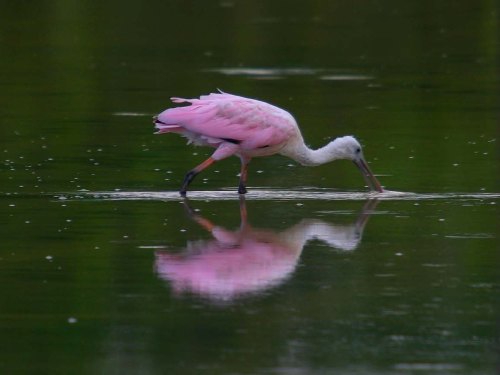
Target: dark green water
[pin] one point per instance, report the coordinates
(103, 269)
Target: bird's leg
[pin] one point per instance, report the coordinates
(243, 175)
(192, 174)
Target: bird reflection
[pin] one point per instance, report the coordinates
(249, 260)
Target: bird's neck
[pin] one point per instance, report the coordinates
(307, 156)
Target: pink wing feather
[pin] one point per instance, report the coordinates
(252, 123)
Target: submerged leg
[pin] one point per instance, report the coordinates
(192, 174)
(242, 189)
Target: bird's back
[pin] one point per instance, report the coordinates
(251, 123)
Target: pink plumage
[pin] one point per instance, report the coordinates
(223, 118)
(248, 128)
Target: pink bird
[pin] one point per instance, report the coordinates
(248, 128)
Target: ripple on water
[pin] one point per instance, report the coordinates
(470, 236)
(428, 367)
(276, 73)
(280, 195)
(132, 114)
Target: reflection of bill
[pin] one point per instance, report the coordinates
(249, 260)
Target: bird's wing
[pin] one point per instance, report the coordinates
(250, 122)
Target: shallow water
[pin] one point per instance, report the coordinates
(276, 195)
(104, 268)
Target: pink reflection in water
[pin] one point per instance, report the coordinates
(249, 260)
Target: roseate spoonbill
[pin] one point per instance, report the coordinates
(247, 128)
(249, 260)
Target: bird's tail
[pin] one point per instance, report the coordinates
(167, 129)
(164, 128)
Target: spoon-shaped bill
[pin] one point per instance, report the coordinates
(369, 177)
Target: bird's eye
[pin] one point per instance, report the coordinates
(358, 150)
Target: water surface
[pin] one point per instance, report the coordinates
(105, 269)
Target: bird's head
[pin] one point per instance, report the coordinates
(349, 148)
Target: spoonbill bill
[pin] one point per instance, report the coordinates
(247, 128)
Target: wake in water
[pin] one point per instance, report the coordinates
(273, 195)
